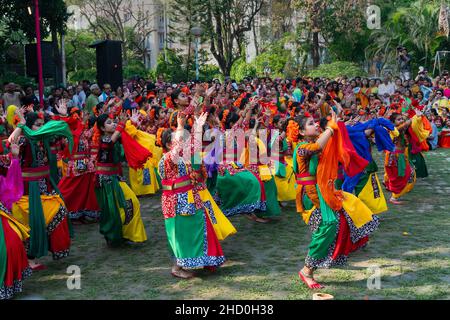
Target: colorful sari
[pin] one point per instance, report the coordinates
(194, 223)
(340, 223)
(13, 257)
(42, 208)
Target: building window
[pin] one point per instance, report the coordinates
(161, 40)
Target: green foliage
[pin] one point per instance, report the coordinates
(337, 69)
(82, 74)
(53, 15)
(174, 69)
(208, 72)
(242, 69)
(134, 68)
(413, 25)
(78, 54)
(18, 79)
(171, 66)
(275, 58)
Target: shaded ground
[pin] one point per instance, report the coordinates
(263, 260)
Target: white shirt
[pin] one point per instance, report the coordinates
(386, 88)
(103, 97)
(81, 98)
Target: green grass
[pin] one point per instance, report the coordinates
(263, 260)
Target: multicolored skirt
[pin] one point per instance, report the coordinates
(400, 175)
(239, 193)
(79, 196)
(193, 241)
(369, 190)
(13, 257)
(286, 183)
(347, 231)
(144, 181)
(120, 217)
(56, 222)
(268, 190)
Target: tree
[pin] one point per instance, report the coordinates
(276, 19)
(225, 23)
(125, 20)
(334, 20)
(415, 26)
(79, 55)
(53, 21)
(184, 16)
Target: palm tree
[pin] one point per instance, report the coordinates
(415, 27)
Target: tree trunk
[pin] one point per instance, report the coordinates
(188, 64)
(315, 50)
(255, 39)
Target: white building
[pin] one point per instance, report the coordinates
(155, 13)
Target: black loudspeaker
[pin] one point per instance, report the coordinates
(48, 60)
(109, 63)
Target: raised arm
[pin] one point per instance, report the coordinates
(329, 131)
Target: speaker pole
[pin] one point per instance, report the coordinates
(39, 53)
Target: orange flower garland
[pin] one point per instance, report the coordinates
(159, 136)
(96, 136)
(292, 131)
(152, 114)
(225, 114)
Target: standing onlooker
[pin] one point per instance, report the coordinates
(92, 100)
(385, 90)
(106, 94)
(29, 94)
(73, 97)
(12, 96)
(81, 96)
(404, 63)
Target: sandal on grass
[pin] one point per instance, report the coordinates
(182, 274)
(314, 285)
(38, 267)
(396, 201)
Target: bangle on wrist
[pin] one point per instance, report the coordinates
(332, 130)
(120, 127)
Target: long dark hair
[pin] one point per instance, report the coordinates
(166, 138)
(101, 119)
(175, 95)
(31, 118)
(301, 121)
(92, 120)
(157, 109)
(232, 117)
(394, 116)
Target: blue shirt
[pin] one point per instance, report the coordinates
(434, 138)
(426, 91)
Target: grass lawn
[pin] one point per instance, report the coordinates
(263, 260)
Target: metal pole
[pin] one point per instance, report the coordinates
(165, 31)
(63, 60)
(39, 53)
(196, 58)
